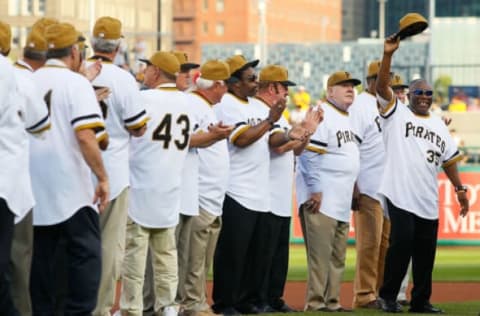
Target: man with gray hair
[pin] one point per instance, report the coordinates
(124, 115)
(209, 138)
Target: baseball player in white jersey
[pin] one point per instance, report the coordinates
(61, 166)
(400, 90)
(272, 232)
(189, 190)
(213, 163)
(417, 145)
(326, 173)
(156, 163)
(249, 163)
(372, 228)
(124, 116)
(33, 114)
(16, 198)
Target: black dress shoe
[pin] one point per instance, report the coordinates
(389, 306)
(426, 309)
(265, 309)
(247, 309)
(285, 309)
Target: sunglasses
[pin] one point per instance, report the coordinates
(250, 78)
(419, 92)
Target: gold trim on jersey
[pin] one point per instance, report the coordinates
(55, 66)
(201, 96)
(102, 137)
(139, 124)
(90, 125)
(421, 115)
(43, 129)
(316, 150)
(240, 131)
(20, 66)
(344, 113)
(389, 106)
(452, 161)
(277, 130)
(244, 101)
(167, 88)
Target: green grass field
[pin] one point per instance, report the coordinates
(456, 309)
(451, 264)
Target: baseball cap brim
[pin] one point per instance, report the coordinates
(288, 83)
(355, 82)
(249, 64)
(146, 61)
(398, 86)
(188, 66)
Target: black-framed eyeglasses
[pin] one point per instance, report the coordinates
(419, 92)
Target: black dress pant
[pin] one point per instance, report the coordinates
(232, 261)
(410, 237)
(6, 235)
(81, 234)
(272, 234)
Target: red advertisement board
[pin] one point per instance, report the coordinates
(453, 229)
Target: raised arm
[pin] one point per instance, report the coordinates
(383, 80)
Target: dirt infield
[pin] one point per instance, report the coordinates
(442, 292)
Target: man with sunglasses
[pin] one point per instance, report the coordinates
(371, 226)
(417, 144)
(248, 186)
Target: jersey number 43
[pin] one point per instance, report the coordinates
(163, 132)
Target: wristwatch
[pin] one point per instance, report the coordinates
(461, 188)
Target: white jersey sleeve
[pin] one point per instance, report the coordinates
(133, 114)
(85, 112)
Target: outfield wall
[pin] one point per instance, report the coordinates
(452, 229)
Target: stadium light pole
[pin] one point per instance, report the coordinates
(381, 19)
(431, 17)
(262, 34)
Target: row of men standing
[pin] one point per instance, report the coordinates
(152, 177)
(248, 193)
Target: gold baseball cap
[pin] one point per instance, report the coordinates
(108, 28)
(397, 82)
(36, 41)
(165, 61)
(373, 68)
(61, 35)
(275, 73)
(238, 62)
(41, 24)
(215, 70)
(5, 37)
(340, 77)
(183, 60)
(411, 24)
